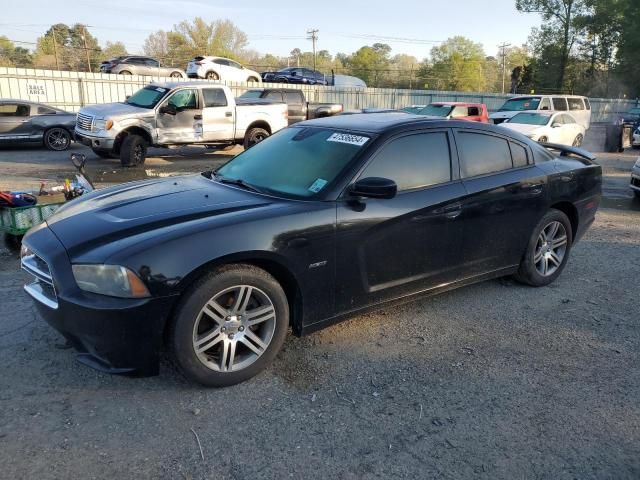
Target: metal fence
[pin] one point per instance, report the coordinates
(73, 90)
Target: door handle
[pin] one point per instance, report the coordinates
(228, 114)
(566, 177)
(197, 117)
(451, 211)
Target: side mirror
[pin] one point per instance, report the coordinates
(168, 109)
(555, 125)
(374, 187)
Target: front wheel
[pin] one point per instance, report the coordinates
(125, 72)
(57, 139)
(133, 151)
(175, 75)
(212, 76)
(578, 140)
(547, 251)
(254, 136)
(543, 140)
(229, 326)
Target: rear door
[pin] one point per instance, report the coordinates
(186, 125)
(387, 247)
(505, 199)
(15, 121)
(218, 118)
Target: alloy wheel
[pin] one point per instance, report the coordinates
(551, 248)
(257, 138)
(57, 139)
(578, 140)
(234, 328)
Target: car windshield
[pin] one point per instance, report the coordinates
(435, 110)
(148, 97)
(530, 119)
(516, 104)
(251, 94)
(298, 162)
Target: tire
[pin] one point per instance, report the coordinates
(133, 151)
(125, 72)
(175, 75)
(212, 76)
(102, 153)
(198, 323)
(13, 242)
(530, 272)
(636, 193)
(578, 140)
(254, 136)
(57, 139)
(543, 140)
(252, 79)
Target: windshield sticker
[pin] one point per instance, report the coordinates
(317, 185)
(348, 138)
(161, 90)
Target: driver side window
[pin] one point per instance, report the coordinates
(184, 100)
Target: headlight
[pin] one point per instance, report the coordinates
(111, 280)
(24, 251)
(103, 124)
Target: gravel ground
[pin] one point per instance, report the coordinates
(491, 381)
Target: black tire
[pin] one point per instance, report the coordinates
(103, 153)
(57, 139)
(543, 140)
(528, 272)
(175, 75)
(252, 79)
(125, 72)
(577, 142)
(185, 326)
(253, 136)
(133, 151)
(13, 242)
(211, 76)
(636, 193)
(636, 147)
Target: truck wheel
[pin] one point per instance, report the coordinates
(102, 153)
(133, 151)
(253, 136)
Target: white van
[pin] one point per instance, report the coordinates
(579, 107)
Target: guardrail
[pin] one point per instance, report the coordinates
(73, 90)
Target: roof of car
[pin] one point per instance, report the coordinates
(462, 104)
(192, 83)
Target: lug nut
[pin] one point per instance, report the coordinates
(223, 329)
(231, 336)
(241, 328)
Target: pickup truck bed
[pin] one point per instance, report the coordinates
(299, 108)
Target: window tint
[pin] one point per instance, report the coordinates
(220, 61)
(545, 104)
(150, 62)
(274, 96)
(560, 104)
(184, 100)
(14, 110)
(482, 154)
(233, 64)
(460, 112)
(46, 111)
(587, 104)
(136, 61)
(474, 111)
(214, 97)
(413, 161)
(294, 97)
(518, 154)
(575, 104)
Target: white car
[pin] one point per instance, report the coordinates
(222, 69)
(547, 127)
(635, 178)
(578, 107)
(635, 142)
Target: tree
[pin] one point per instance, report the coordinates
(71, 45)
(560, 26)
(457, 64)
(370, 63)
(12, 56)
(156, 45)
(115, 49)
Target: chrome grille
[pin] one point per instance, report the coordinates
(42, 288)
(84, 122)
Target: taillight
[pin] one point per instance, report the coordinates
(198, 63)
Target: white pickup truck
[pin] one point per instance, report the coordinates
(175, 113)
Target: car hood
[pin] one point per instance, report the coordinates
(115, 110)
(522, 128)
(129, 209)
(505, 114)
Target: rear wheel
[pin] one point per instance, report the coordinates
(252, 79)
(125, 72)
(543, 140)
(254, 136)
(175, 75)
(547, 251)
(578, 140)
(229, 326)
(57, 139)
(212, 76)
(133, 151)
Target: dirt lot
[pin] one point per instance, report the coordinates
(492, 381)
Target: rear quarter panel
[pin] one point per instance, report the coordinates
(273, 114)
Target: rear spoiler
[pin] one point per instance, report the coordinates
(566, 151)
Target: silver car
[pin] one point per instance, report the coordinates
(136, 65)
(29, 122)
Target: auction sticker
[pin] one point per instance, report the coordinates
(317, 185)
(348, 138)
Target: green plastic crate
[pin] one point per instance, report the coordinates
(17, 221)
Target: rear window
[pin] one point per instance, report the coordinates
(560, 104)
(576, 104)
(251, 94)
(214, 97)
(14, 110)
(519, 104)
(198, 59)
(482, 154)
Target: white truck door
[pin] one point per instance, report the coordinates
(218, 117)
(180, 118)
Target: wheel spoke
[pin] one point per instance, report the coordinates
(545, 265)
(232, 354)
(215, 311)
(559, 242)
(553, 230)
(208, 340)
(553, 256)
(252, 341)
(260, 315)
(242, 299)
(224, 355)
(538, 256)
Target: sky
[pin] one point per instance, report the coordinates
(408, 26)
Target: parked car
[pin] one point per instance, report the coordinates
(473, 112)
(299, 108)
(175, 113)
(635, 142)
(635, 178)
(296, 75)
(222, 69)
(346, 81)
(23, 122)
(547, 127)
(137, 65)
(579, 107)
(324, 220)
(632, 116)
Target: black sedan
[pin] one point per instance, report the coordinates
(23, 122)
(321, 221)
(295, 75)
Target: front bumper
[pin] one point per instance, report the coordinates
(93, 141)
(113, 335)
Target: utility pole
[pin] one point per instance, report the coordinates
(55, 46)
(504, 62)
(313, 36)
(84, 39)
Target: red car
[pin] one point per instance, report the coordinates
(473, 112)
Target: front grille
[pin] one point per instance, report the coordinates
(84, 122)
(42, 288)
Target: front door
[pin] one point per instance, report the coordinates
(15, 122)
(218, 118)
(184, 125)
(387, 248)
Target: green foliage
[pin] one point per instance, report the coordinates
(71, 45)
(12, 56)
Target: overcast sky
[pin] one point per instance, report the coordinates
(409, 26)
